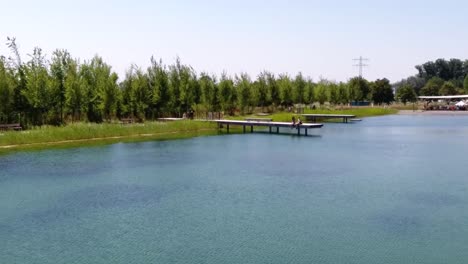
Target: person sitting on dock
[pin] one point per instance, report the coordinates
(299, 122)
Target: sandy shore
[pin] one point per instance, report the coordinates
(421, 112)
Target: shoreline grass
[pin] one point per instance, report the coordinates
(359, 112)
(86, 134)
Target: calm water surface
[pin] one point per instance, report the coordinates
(390, 189)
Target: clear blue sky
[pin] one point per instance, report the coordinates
(318, 38)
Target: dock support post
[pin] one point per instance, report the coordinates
(227, 128)
(270, 129)
(298, 130)
(306, 131)
(251, 129)
(277, 129)
(244, 129)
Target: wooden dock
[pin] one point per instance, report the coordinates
(269, 124)
(314, 117)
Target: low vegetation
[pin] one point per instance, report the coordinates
(79, 134)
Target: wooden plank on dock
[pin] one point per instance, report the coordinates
(258, 119)
(164, 119)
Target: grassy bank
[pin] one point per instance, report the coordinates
(93, 134)
(359, 112)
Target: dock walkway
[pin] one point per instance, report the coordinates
(166, 119)
(258, 119)
(269, 124)
(314, 117)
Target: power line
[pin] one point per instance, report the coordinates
(361, 64)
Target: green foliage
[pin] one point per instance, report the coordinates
(382, 92)
(101, 86)
(136, 95)
(445, 70)
(448, 88)
(333, 94)
(210, 92)
(75, 91)
(432, 87)
(243, 86)
(78, 134)
(406, 94)
(299, 86)
(226, 89)
(261, 91)
(358, 89)
(342, 93)
(58, 71)
(465, 84)
(159, 85)
(286, 90)
(20, 108)
(321, 95)
(187, 94)
(274, 90)
(6, 93)
(309, 96)
(417, 83)
(38, 90)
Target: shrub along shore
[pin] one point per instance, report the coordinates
(87, 134)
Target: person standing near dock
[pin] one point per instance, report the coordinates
(293, 121)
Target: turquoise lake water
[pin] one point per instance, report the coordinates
(390, 189)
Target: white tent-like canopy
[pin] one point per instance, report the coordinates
(461, 103)
(446, 97)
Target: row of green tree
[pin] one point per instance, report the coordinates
(439, 77)
(41, 91)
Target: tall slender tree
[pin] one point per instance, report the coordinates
(6, 93)
(37, 90)
(243, 86)
(226, 87)
(58, 70)
(75, 93)
(286, 90)
(299, 86)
